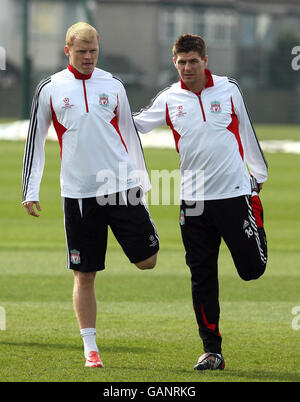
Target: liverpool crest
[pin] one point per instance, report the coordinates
(182, 218)
(103, 100)
(75, 257)
(215, 107)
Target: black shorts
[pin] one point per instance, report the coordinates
(86, 227)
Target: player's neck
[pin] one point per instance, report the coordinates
(198, 85)
(78, 74)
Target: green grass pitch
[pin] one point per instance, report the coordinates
(146, 329)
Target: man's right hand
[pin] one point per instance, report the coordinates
(29, 207)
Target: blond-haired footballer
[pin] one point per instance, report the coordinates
(92, 118)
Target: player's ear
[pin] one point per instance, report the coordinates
(67, 51)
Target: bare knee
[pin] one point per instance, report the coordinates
(85, 279)
(149, 263)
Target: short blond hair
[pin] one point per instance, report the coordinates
(83, 31)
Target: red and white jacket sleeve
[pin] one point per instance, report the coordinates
(34, 154)
(153, 116)
(252, 151)
(131, 138)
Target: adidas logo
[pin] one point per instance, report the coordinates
(153, 240)
(246, 224)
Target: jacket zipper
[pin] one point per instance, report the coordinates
(201, 104)
(85, 97)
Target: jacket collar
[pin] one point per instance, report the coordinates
(209, 81)
(77, 74)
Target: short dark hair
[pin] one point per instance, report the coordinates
(189, 43)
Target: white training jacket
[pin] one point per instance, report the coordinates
(213, 134)
(101, 151)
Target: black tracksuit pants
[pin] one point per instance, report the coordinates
(239, 221)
